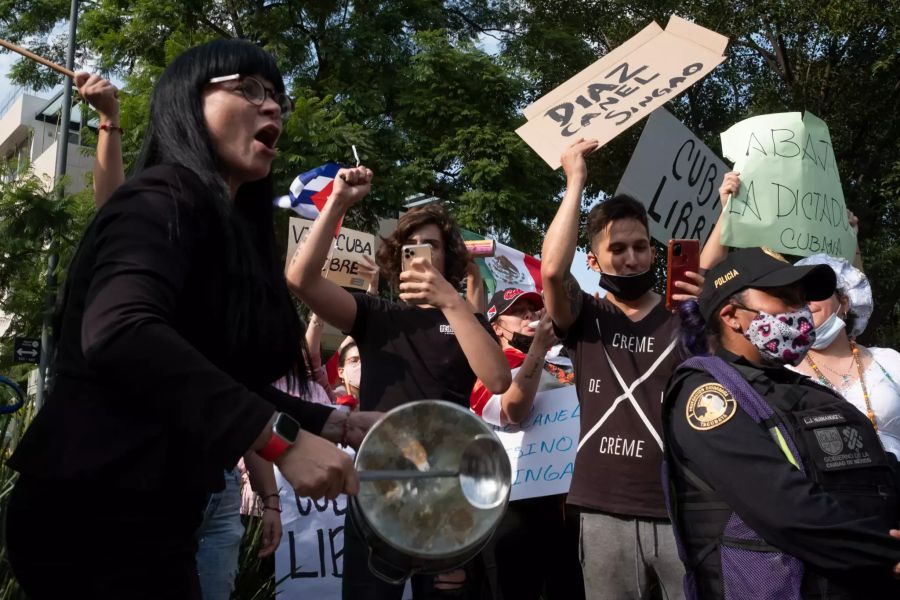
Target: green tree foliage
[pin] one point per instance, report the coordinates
(840, 60)
(29, 215)
(406, 82)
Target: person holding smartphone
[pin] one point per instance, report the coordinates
(431, 344)
(623, 351)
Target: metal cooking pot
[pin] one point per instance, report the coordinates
(428, 525)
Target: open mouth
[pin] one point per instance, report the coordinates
(268, 135)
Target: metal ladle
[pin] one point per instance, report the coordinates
(484, 473)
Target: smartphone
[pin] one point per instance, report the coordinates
(684, 255)
(413, 251)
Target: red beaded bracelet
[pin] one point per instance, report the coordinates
(109, 127)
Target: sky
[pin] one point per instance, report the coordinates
(6, 61)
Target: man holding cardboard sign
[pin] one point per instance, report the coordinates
(623, 351)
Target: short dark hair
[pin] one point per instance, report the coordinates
(620, 206)
(456, 257)
(697, 336)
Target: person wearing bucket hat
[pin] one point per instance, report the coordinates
(777, 487)
(869, 378)
(515, 557)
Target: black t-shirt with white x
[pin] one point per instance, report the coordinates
(621, 371)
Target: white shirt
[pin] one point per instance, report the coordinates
(883, 385)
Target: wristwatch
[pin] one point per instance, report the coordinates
(285, 432)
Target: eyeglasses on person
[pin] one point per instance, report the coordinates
(255, 92)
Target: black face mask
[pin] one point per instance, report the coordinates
(628, 287)
(521, 342)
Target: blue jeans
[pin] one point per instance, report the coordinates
(219, 539)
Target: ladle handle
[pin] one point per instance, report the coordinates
(391, 474)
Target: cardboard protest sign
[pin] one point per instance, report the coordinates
(342, 266)
(618, 90)
(542, 449)
(790, 197)
(677, 177)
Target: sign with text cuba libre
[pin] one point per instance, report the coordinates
(342, 266)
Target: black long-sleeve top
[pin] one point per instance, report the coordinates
(146, 393)
(751, 474)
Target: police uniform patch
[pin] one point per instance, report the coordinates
(709, 406)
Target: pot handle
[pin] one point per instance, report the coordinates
(404, 575)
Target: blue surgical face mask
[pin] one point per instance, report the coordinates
(828, 331)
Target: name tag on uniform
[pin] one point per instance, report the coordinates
(823, 419)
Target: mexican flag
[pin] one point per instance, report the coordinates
(508, 268)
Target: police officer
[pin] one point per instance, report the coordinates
(778, 488)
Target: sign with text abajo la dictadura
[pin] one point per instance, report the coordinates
(621, 88)
(677, 178)
(790, 197)
(342, 265)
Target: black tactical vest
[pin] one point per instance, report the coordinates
(840, 451)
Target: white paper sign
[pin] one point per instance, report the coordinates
(310, 557)
(677, 178)
(542, 449)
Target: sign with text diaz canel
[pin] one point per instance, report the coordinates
(342, 266)
(618, 90)
(677, 177)
(790, 197)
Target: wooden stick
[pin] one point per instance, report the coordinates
(40, 59)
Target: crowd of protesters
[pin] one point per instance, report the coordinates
(768, 437)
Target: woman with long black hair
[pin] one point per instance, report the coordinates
(173, 321)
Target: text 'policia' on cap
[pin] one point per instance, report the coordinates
(761, 268)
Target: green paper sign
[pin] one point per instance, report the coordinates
(790, 197)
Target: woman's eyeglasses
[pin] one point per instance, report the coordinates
(255, 92)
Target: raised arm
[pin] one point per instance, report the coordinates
(714, 252)
(516, 402)
(330, 301)
(562, 295)
(853, 220)
(314, 348)
(108, 171)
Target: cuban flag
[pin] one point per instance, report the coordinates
(309, 192)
